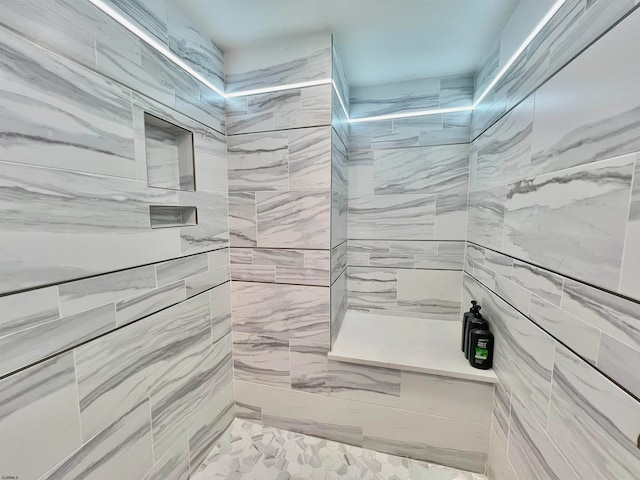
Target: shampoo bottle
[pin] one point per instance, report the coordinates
(476, 323)
(481, 349)
(465, 321)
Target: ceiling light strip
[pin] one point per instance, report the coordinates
(154, 43)
(344, 108)
(556, 6)
(279, 88)
(417, 113)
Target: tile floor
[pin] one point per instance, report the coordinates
(248, 451)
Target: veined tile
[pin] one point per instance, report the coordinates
(613, 315)
(580, 336)
(403, 217)
(151, 16)
(138, 306)
(531, 451)
(498, 465)
(588, 202)
(283, 311)
(294, 219)
(205, 281)
(543, 283)
(181, 268)
(388, 260)
(485, 275)
(47, 96)
(620, 362)
(259, 161)
(499, 263)
(28, 309)
(261, 359)
(422, 170)
(212, 230)
(241, 256)
(38, 410)
(629, 281)
(210, 152)
(339, 304)
(313, 372)
(501, 412)
(608, 124)
(303, 276)
(82, 295)
(318, 415)
(310, 158)
(588, 412)
(486, 217)
(435, 294)
(173, 465)
(360, 173)
(36, 343)
(116, 371)
(519, 297)
(426, 437)
(523, 354)
(278, 257)
(121, 450)
(242, 219)
(179, 396)
(456, 91)
(338, 260)
(372, 288)
(253, 273)
(451, 216)
(248, 398)
(220, 311)
(212, 420)
(447, 397)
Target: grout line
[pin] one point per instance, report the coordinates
(75, 373)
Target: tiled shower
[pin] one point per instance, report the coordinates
(187, 255)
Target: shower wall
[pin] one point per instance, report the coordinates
(283, 309)
(115, 345)
(408, 187)
(552, 251)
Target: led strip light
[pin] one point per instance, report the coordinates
(163, 50)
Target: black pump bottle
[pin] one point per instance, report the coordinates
(481, 348)
(474, 321)
(465, 320)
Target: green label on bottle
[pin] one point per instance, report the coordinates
(482, 353)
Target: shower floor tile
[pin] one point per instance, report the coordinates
(248, 451)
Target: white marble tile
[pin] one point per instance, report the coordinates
(629, 281)
(220, 311)
(339, 191)
(447, 397)
(318, 415)
(148, 14)
(620, 362)
(283, 311)
(210, 154)
(339, 304)
(108, 385)
(254, 273)
(206, 281)
(486, 217)
(37, 343)
(178, 397)
(173, 465)
(28, 309)
(593, 423)
(360, 173)
(578, 335)
(82, 295)
(248, 398)
(430, 293)
(517, 296)
(338, 260)
(48, 97)
(451, 216)
(141, 305)
(209, 425)
(313, 372)
(485, 275)
(310, 157)
(426, 437)
(96, 220)
(422, 170)
(261, 359)
(599, 119)
(372, 288)
(242, 219)
(409, 216)
(499, 263)
(279, 62)
(294, 219)
(523, 354)
(180, 268)
(498, 465)
(38, 413)
(501, 412)
(588, 202)
(394, 97)
(212, 230)
(613, 315)
(542, 282)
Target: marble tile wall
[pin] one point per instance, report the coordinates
(549, 252)
(115, 339)
(440, 129)
(573, 28)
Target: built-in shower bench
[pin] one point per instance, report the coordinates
(405, 343)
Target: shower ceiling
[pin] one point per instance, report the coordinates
(380, 41)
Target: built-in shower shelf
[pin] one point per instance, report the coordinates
(405, 343)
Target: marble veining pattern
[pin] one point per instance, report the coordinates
(250, 451)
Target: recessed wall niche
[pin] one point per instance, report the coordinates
(169, 155)
(167, 216)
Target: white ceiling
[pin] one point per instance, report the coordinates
(379, 41)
